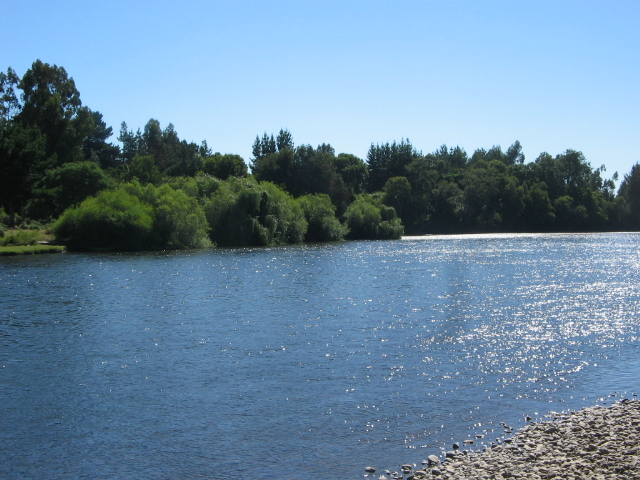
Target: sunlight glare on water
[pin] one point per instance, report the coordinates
(305, 361)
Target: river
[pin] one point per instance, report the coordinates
(309, 361)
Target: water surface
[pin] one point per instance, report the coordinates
(305, 361)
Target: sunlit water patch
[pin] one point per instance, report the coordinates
(305, 361)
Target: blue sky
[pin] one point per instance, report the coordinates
(552, 74)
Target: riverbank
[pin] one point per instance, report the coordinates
(31, 249)
(600, 442)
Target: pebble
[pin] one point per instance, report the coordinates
(595, 442)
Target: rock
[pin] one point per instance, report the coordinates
(433, 459)
(600, 442)
(370, 470)
(456, 446)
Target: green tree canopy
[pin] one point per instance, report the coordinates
(629, 193)
(225, 166)
(65, 186)
(22, 150)
(388, 160)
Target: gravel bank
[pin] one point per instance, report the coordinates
(601, 442)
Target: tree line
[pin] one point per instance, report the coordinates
(154, 190)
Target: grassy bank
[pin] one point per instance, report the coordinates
(27, 242)
(30, 249)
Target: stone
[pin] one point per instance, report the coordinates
(370, 470)
(433, 459)
(601, 442)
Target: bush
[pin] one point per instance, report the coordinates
(20, 237)
(242, 212)
(4, 218)
(135, 217)
(368, 219)
(320, 214)
(179, 221)
(114, 220)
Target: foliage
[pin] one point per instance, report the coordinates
(21, 155)
(492, 198)
(368, 219)
(178, 219)
(4, 218)
(629, 194)
(387, 161)
(54, 154)
(30, 249)
(268, 145)
(114, 220)
(143, 169)
(42, 128)
(538, 209)
(302, 171)
(354, 172)
(170, 155)
(225, 166)
(321, 218)
(135, 217)
(65, 186)
(397, 194)
(243, 212)
(20, 237)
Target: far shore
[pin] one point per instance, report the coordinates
(31, 249)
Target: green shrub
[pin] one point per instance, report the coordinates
(30, 249)
(320, 214)
(242, 212)
(4, 217)
(368, 219)
(20, 237)
(114, 220)
(179, 220)
(135, 217)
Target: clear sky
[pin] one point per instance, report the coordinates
(552, 74)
